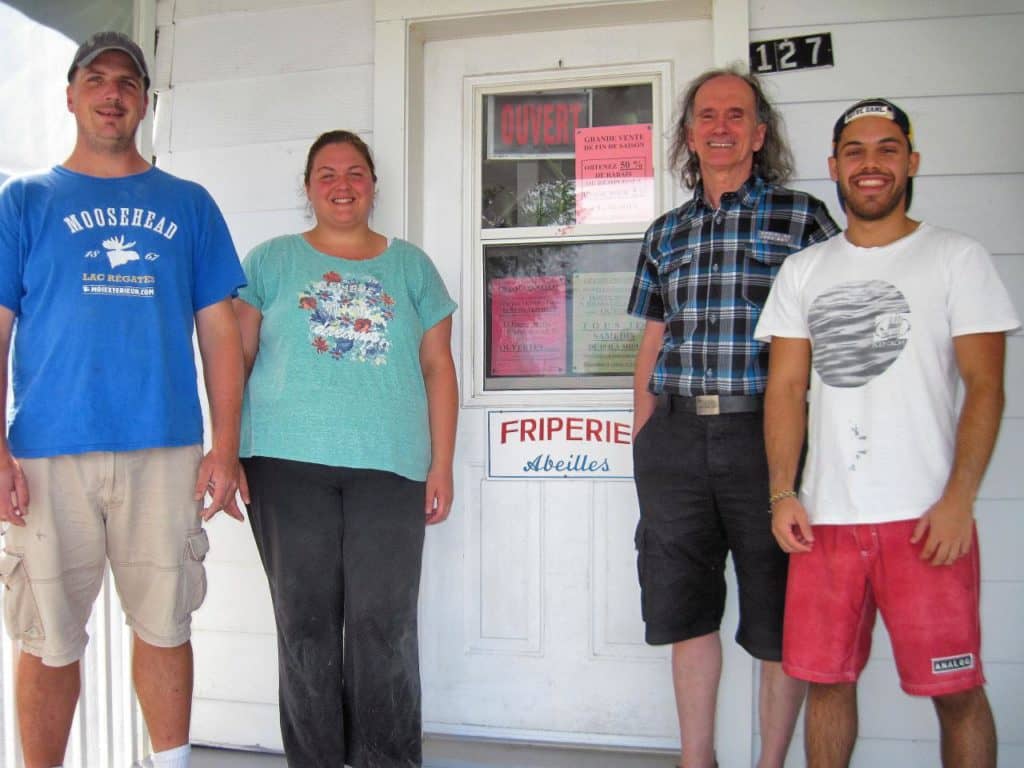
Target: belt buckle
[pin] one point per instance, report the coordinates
(707, 405)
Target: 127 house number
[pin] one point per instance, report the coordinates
(791, 53)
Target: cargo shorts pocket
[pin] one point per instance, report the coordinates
(21, 612)
(193, 591)
(639, 541)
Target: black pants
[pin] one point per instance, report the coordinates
(342, 549)
(702, 484)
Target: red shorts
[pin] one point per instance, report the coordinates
(931, 612)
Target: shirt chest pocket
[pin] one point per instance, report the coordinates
(760, 263)
(676, 284)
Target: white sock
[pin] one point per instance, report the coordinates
(172, 758)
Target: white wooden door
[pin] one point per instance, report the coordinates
(530, 619)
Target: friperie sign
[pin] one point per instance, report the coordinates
(523, 126)
(561, 445)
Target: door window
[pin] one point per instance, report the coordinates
(565, 190)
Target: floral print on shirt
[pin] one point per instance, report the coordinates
(348, 318)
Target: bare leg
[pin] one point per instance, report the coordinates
(830, 724)
(968, 730)
(778, 707)
(696, 670)
(46, 699)
(163, 682)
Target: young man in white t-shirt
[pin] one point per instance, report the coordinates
(884, 322)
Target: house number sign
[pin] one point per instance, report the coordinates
(791, 53)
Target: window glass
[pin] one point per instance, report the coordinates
(555, 163)
(556, 315)
(529, 149)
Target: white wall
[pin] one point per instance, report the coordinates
(245, 85)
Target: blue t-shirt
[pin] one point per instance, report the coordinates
(104, 276)
(337, 379)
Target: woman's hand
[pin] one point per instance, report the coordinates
(443, 411)
(439, 495)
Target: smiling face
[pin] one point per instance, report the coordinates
(871, 165)
(340, 186)
(724, 131)
(108, 99)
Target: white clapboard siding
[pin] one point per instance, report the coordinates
(1002, 616)
(999, 539)
(251, 229)
(925, 57)
(1014, 368)
(187, 9)
(985, 129)
(228, 173)
(236, 46)
(811, 13)
(985, 207)
(271, 108)
(1011, 270)
(1002, 480)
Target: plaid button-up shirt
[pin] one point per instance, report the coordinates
(706, 274)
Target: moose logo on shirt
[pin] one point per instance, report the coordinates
(117, 251)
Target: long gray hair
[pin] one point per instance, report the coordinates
(773, 162)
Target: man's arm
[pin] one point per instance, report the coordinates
(220, 347)
(249, 321)
(13, 486)
(949, 522)
(443, 413)
(644, 401)
(785, 424)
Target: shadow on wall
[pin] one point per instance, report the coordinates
(79, 19)
(40, 38)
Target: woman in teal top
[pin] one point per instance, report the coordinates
(348, 435)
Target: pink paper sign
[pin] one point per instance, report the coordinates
(614, 174)
(528, 326)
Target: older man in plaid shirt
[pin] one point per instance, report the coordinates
(704, 273)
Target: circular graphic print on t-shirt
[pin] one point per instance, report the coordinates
(858, 330)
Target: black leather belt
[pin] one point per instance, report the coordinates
(713, 405)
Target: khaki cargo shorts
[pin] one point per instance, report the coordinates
(132, 508)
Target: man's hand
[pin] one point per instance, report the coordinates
(13, 491)
(219, 479)
(791, 527)
(439, 496)
(950, 529)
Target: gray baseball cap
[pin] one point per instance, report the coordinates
(109, 41)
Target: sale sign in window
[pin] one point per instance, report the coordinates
(528, 326)
(614, 174)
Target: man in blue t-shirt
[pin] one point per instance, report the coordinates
(107, 264)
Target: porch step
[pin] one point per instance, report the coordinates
(450, 752)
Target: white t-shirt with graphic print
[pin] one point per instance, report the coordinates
(884, 378)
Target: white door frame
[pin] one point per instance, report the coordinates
(401, 29)
(403, 26)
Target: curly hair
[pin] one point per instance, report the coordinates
(773, 162)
